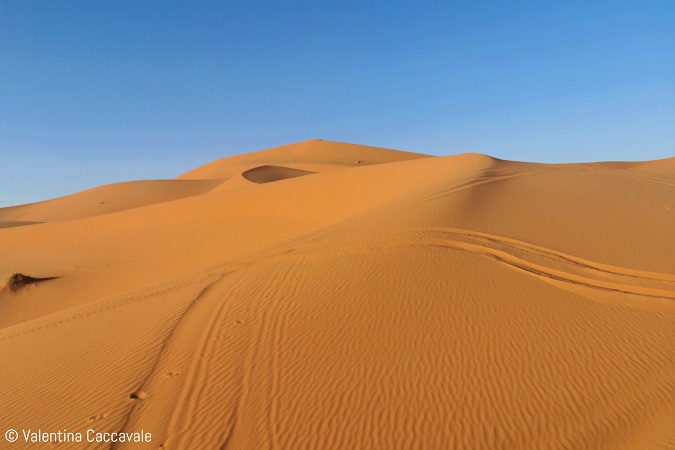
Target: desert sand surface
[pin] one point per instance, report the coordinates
(323, 295)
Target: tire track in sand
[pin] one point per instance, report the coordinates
(542, 262)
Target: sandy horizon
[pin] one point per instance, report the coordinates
(331, 295)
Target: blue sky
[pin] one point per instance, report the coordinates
(95, 92)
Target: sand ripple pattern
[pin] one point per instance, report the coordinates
(265, 360)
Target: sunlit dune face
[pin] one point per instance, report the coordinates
(328, 295)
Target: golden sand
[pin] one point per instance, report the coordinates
(328, 295)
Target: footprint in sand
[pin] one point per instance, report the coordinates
(97, 417)
(138, 395)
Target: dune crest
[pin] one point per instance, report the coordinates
(315, 155)
(328, 295)
(105, 199)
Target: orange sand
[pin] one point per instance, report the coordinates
(328, 295)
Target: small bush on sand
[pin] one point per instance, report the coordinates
(18, 280)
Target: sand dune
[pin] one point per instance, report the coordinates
(317, 155)
(328, 295)
(105, 199)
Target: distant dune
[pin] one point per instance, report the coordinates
(327, 295)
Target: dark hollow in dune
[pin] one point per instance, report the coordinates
(269, 174)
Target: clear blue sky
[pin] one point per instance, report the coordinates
(94, 92)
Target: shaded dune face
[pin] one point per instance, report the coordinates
(389, 300)
(269, 174)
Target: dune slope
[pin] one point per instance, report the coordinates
(381, 300)
(104, 200)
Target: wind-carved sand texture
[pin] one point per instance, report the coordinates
(328, 295)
